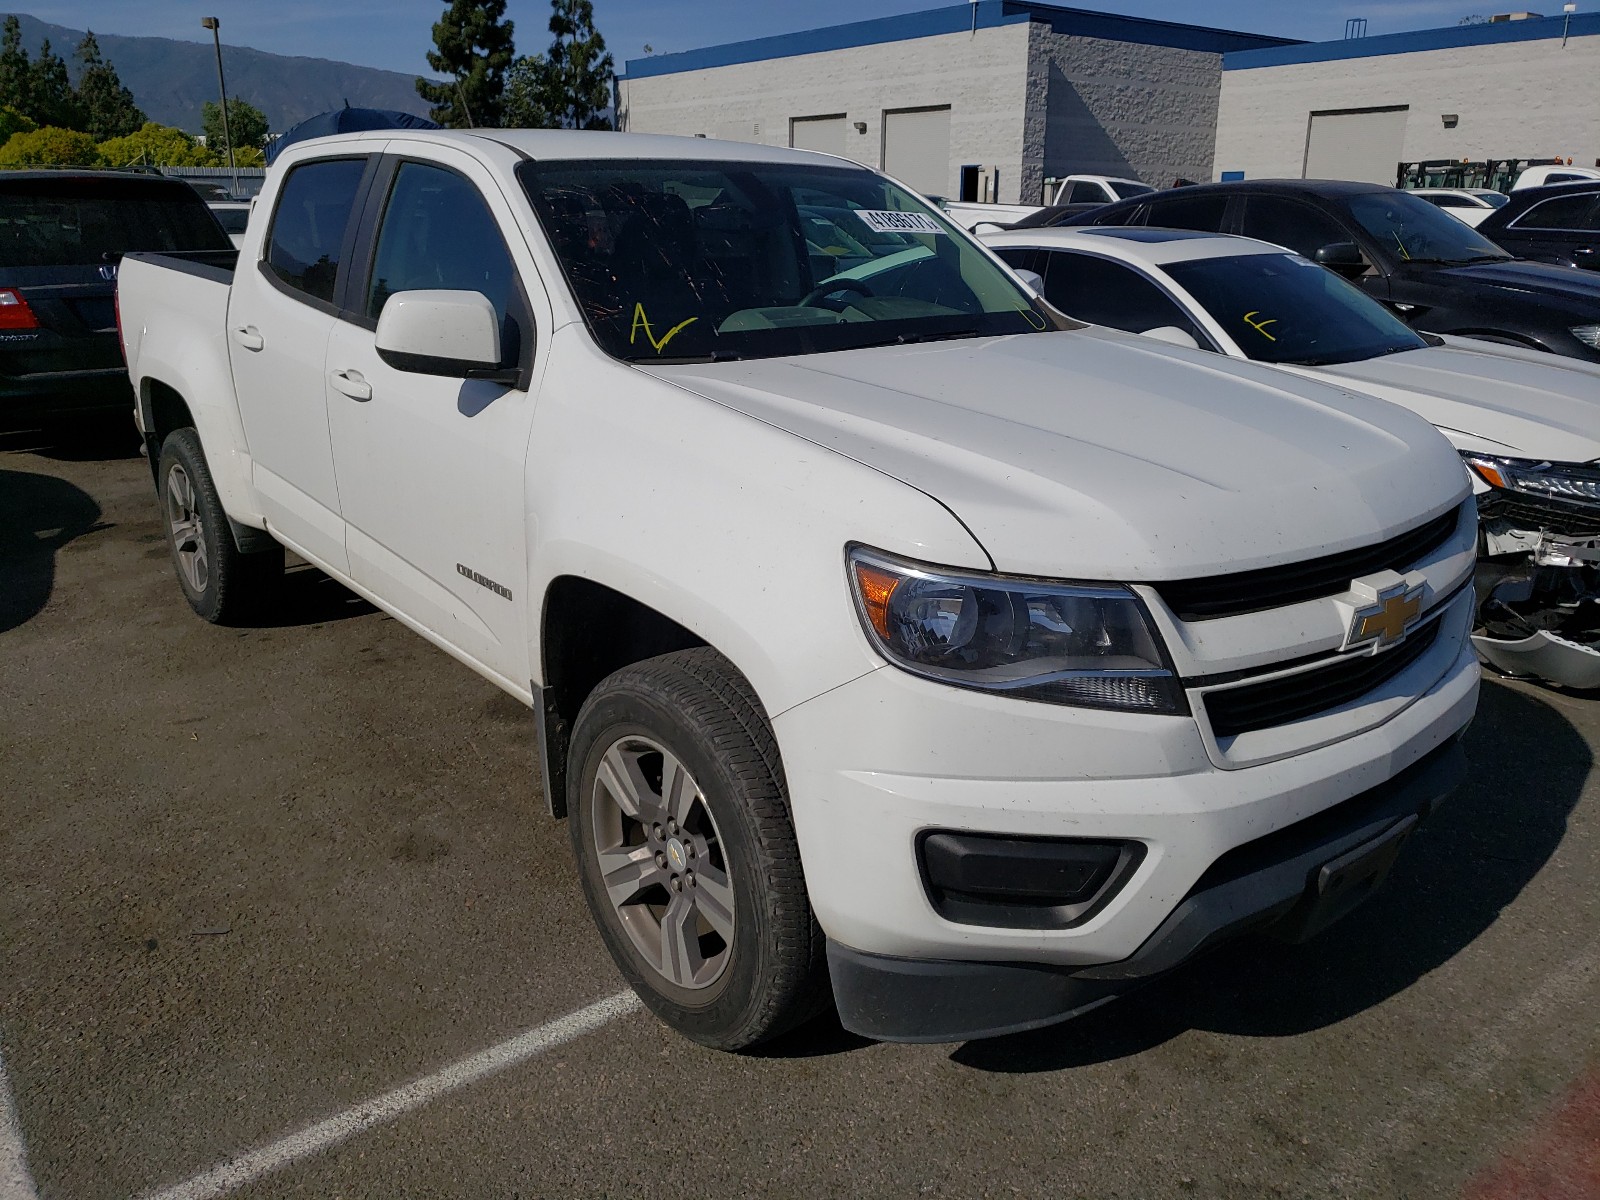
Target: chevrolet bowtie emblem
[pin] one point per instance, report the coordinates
(1388, 618)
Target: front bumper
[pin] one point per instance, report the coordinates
(1292, 883)
(875, 763)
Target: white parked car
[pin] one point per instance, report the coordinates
(1527, 424)
(1097, 189)
(884, 630)
(1074, 189)
(1554, 173)
(1470, 205)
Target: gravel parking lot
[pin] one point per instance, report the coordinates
(259, 881)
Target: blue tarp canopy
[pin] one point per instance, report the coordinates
(346, 120)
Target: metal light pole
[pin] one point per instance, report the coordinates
(215, 26)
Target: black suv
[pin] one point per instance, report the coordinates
(62, 234)
(1433, 270)
(1559, 224)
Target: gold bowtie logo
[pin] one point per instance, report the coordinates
(1391, 621)
(1386, 621)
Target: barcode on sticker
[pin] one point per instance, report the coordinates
(884, 221)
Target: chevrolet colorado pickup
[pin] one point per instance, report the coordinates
(889, 636)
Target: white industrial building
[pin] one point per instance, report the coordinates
(979, 101)
(1357, 109)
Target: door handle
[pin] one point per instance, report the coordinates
(352, 384)
(1583, 252)
(249, 337)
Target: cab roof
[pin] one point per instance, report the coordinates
(558, 144)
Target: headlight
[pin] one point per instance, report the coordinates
(1589, 335)
(1063, 643)
(1556, 481)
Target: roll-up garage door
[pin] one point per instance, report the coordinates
(1365, 145)
(817, 133)
(916, 148)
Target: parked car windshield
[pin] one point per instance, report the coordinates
(1412, 230)
(1281, 308)
(675, 261)
(79, 222)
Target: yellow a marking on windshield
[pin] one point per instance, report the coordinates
(640, 321)
(1404, 253)
(1260, 326)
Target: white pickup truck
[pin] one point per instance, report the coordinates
(888, 635)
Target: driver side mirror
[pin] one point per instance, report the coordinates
(1032, 278)
(455, 334)
(1343, 258)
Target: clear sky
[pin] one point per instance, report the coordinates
(395, 33)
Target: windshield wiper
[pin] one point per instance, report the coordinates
(1461, 262)
(668, 360)
(1333, 360)
(907, 339)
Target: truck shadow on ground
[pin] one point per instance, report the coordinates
(306, 596)
(39, 514)
(1467, 864)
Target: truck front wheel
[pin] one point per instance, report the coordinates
(222, 584)
(680, 823)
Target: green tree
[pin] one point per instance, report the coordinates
(569, 86)
(51, 147)
(15, 69)
(156, 146)
(13, 122)
(51, 100)
(105, 107)
(473, 50)
(246, 122)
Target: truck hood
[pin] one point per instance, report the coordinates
(1530, 405)
(1095, 455)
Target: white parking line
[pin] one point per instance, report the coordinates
(15, 1182)
(225, 1177)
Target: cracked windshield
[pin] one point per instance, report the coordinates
(697, 261)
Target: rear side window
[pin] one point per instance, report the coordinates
(89, 222)
(309, 225)
(1296, 226)
(1564, 212)
(1202, 213)
(1108, 293)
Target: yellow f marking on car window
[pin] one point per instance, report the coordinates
(640, 321)
(1260, 326)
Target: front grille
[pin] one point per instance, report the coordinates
(1274, 587)
(1294, 697)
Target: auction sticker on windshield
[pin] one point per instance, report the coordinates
(884, 221)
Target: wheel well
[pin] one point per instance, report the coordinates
(164, 411)
(587, 632)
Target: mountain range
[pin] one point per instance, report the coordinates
(170, 79)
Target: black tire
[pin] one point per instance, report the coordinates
(229, 586)
(694, 705)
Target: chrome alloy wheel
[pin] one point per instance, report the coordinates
(188, 534)
(661, 863)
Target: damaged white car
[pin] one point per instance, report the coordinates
(1526, 423)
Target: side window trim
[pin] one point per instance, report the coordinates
(1525, 220)
(346, 248)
